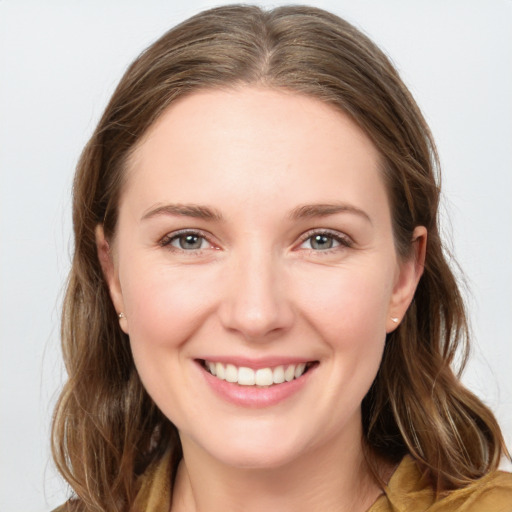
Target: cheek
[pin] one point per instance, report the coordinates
(348, 304)
(348, 308)
(165, 306)
(345, 309)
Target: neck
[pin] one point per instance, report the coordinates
(331, 478)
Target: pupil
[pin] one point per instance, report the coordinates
(190, 242)
(321, 242)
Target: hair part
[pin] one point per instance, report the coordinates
(106, 428)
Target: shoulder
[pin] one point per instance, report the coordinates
(407, 491)
(492, 493)
(154, 489)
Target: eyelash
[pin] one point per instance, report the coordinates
(343, 240)
(168, 239)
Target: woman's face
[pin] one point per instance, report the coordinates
(254, 241)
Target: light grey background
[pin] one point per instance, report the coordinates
(59, 63)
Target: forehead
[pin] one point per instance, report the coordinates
(253, 143)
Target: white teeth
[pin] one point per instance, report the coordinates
(246, 376)
(289, 373)
(231, 373)
(299, 370)
(262, 377)
(220, 372)
(278, 375)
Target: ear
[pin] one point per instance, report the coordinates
(407, 279)
(110, 273)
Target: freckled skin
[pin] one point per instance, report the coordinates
(259, 285)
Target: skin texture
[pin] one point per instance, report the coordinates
(259, 287)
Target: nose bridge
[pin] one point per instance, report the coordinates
(255, 302)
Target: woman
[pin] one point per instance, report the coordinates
(259, 314)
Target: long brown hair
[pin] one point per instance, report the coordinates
(106, 428)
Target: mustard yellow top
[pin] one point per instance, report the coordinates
(408, 492)
(405, 492)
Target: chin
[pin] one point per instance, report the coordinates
(250, 448)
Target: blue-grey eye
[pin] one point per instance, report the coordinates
(321, 242)
(189, 242)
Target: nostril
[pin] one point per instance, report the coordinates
(257, 322)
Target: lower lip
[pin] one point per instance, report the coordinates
(253, 396)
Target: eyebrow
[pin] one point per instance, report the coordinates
(184, 210)
(323, 210)
(206, 213)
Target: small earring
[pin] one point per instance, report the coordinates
(394, 318)
(121, 315)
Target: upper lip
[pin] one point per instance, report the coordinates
(257, 363)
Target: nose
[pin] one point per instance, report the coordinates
(255, 302)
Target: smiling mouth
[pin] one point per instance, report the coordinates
(262, 377)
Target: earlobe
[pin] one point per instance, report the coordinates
(110, 274)
(409, 275)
